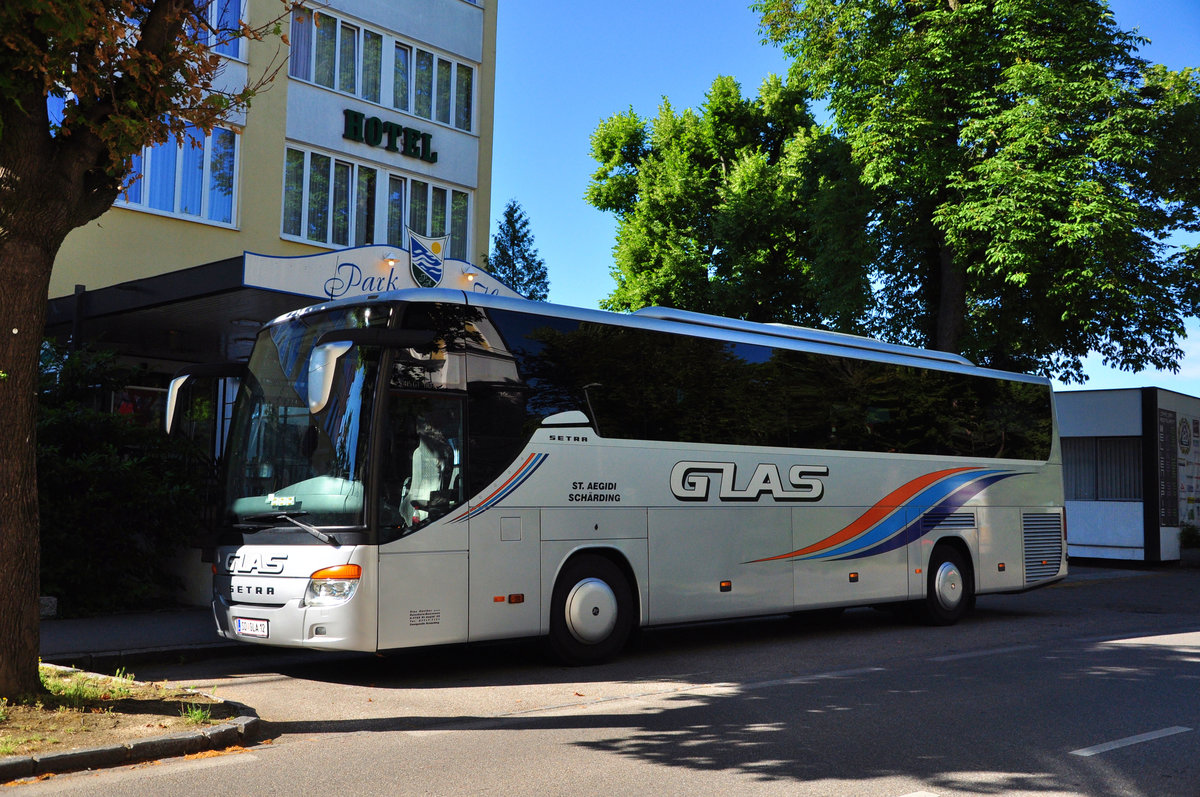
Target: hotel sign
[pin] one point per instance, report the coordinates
(375, 132)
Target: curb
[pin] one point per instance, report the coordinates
(110, 660)
(240, 730)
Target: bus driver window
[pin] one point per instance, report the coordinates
(421, 480)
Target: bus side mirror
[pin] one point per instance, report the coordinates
(172, 398)
(321, 367)
(227, 370)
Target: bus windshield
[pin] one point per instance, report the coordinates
(285, 463)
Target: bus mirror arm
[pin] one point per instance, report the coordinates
(592, 412)
(226, 370)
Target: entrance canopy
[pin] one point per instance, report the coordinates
(212, 312)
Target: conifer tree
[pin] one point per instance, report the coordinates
(514, 259)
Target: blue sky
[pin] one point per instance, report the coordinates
(562, 68)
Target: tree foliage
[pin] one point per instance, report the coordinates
(514, 259)
(128, 73)
(744, 208)
(1027, 169)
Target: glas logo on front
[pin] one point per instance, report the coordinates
(693, 481)
(267, 565)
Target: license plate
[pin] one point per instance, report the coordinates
(244, 626)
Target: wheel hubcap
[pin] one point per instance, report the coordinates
(591, 610)
(948, 585)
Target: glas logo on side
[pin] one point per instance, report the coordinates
(692, 481)
(255, 563)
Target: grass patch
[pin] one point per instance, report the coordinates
(195, 714)
(79, 709)
(78, 690)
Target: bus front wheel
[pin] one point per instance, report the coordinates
(950, 589)
(591, 612)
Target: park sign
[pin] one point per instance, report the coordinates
(370, 269)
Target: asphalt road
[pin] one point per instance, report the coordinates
(1088, 687)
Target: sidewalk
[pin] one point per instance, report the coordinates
(117, 640)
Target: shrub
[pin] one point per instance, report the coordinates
(118, 500)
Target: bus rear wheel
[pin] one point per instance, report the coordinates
(591, 611)
(950, 588)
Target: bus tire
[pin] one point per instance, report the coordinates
(949, 588)
(591, 611)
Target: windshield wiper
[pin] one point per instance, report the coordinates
(257, 523)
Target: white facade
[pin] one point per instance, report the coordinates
(1131, 470)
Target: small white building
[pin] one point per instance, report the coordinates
(1131, 471)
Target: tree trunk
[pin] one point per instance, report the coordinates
(26, 269)
(952, 302)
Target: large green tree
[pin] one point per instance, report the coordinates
(128, 73)
(744, 207)
(1028, 170)
(514, 259)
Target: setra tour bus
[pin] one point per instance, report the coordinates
(431, 466)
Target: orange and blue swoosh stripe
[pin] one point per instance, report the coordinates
(519, 477)
(888, 525)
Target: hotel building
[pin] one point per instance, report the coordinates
(378, 125)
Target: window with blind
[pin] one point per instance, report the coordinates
(195, 180)
(347, 57)
(328, 199)
(1102, 468)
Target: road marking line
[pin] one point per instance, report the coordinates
(1129, 740)
(980, 653)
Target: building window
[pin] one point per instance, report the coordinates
(400, 71)
(465, 80)
(423, 80)
(395, 217)
(222, 26)
(435, 211)
(328, 200)
(443, 90)
(1102, 468)
(339, 55)
(336, 54)
(372, 68)
(195, 180)
(333, 201)
(300, 56)
(459, 207)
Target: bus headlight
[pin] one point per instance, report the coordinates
(332, 585)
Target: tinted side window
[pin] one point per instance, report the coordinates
(646, 385)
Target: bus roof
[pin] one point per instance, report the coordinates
(798, 333)
(667, 319)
